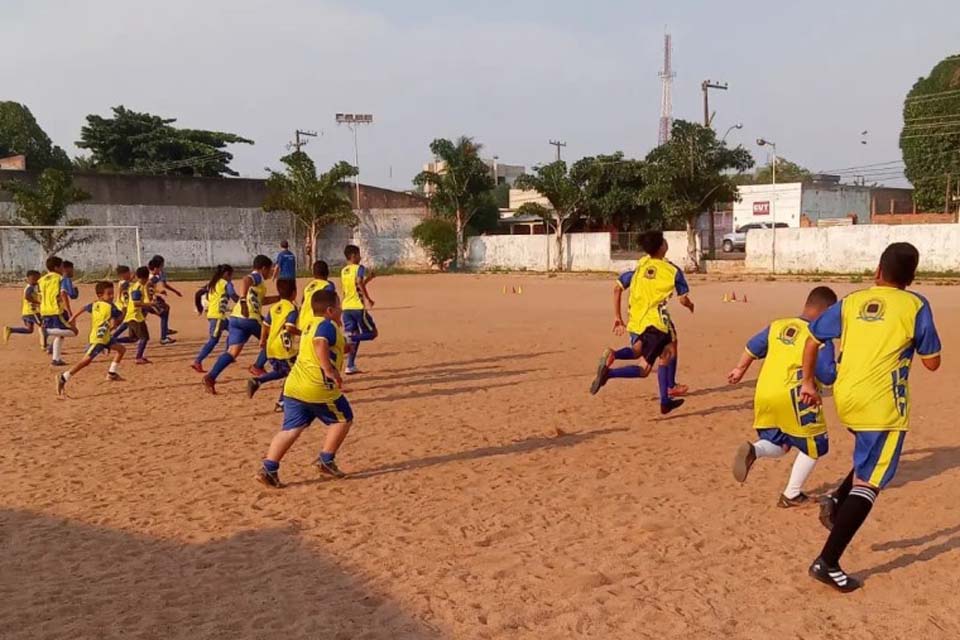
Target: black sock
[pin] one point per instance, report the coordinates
(844, 489)
(850, 516)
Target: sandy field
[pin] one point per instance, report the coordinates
(491, 495)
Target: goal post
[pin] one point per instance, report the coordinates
(19, 252)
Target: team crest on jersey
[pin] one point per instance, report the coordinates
(788, 335)
(650, 273)
(872, 310)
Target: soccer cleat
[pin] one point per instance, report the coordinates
(252, 386)
(828, 512)
(43, 338)
(785, 503)
(142, 361)
(166, 341)
(210, 385)
(351, 371)
(172, 332)
(113, 376)
(744, 458)
(329, 469)
(196, 366)
(270, 479)
(255, 371)
(7, 332)
(61, 385)
(603, 371)
(670, 406)
(833, 576)
(678, 391)
(278, 407)
(58, 363)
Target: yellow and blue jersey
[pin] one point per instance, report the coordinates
(218, 299)
(307, 381)
(30, 304)
(138, 293)
(255, 297)
(123, 295)
(306, 308)
(279, 318)
(50, 286)
(101, 315)
(350, 278)
(651, 284)
(776, 402)
(880, 329)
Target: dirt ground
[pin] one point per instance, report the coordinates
(491, 496)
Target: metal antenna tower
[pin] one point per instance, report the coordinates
(666, 86)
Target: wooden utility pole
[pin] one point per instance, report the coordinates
(558, 144)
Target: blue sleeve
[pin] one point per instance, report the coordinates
(327, 331)
(925, 335)
(826, 370)
(163, 277)
(267, 318)
(256, 278)
(114, 312)
(680, 283)
(361, 272)
(625, 279)
(89, 308)
(330, 287)
(31, 291)
(292, 317)
(231, 292)
(137, 295)
(279, 259)
(828, 325)
(67, 285)
(758, 344)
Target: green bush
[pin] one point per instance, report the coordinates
(438, 237)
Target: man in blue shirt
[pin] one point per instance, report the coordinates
(286, 263)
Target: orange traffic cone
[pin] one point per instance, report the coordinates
(733, 297)
(744, 297)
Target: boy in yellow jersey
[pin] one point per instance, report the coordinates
(121, 299)
(55, 308)
(651, 285)
(29, 309)
(104, 318)
(880, 329)
(137, 308)
(280, 325)
(781, 419)
(220, 292)
(320, 282)
(357, 321)
(245, 320)
(312, 392)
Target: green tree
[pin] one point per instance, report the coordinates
(565, 195)
(787, 171)
(689, 174)
(21, 135)
(461, 188)
(438, 237)
(317, 201)
(611, 187)
(44, 204)
(930, 138)
(132, 142)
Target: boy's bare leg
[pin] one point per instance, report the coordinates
(335, 437)
(281, 443)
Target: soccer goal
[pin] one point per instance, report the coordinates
(95, 251)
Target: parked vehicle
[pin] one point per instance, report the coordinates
(737, 241)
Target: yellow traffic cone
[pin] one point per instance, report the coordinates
(520, 290)
(726, 297)
(504, 289)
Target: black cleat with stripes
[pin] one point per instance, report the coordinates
(834, 576)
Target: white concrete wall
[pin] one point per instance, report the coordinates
(384, 237)
(785, 207)
(853, 249)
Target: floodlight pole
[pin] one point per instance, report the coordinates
(773, 204)
(352, 120)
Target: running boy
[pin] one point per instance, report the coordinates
(122, 300)
(55, 308)
(29, 309)
(880, 329)
(137, 308)
(654, 281)
(68, 275)
(245, 320)
(104, 318)
(312, 391)
(220, 293)
(320, 282)
(280, 325)
(781, 419)
(158, 286)
(357, 323)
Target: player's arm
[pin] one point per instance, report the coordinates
(169, 287)
(116, 317)
(827, 327)
(622, 284)
(290, 323)
(926, 338)
(363, 278)
(271, 300)
(683, 290)
(73, 318)
(198, 299)
(265, 331)
(826, 367)
(322, 349)
(65, 299)
(756, 349)
(245, 285)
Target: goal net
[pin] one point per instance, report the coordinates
(95, 250)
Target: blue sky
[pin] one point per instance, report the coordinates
(810, 75)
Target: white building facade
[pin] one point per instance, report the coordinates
(785, 203)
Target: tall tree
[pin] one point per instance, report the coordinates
(930, 139)
(461, 188)
(565, 195)
(132, 142)
(787, 171)
(317, 201)
(21, 135)
(689, 174)
(44, 204)
(611, 187)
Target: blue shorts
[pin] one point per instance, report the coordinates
(31, 319)
(876, 455)
(96, 349)
(813, 446)
(217, 327)
(241, 330)
(298, 414)
(358, 321)
(56, 322)
(281, 366)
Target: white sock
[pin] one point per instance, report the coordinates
(766, 449)
(802, 467)
(66, 375)
(113, 367)
(57, 347)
